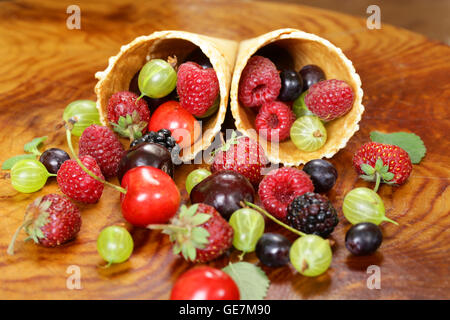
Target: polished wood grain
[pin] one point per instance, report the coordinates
(44, 66)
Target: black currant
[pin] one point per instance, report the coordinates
(53, 158)
(280, 57)
(291, 85)
(363, 238)
(322, 173)
(272, 250)
(311, 74)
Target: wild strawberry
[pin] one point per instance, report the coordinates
(382, 163)
(77, 184)
(198, 88)
(50, 221)
(280, 187)
(243, 155)
(128, 115)
(103, 145)
(199, 233)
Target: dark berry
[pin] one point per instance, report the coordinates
(291, 85)
(199, 58)
(322, 173)
(278, 55)
(311, 74)
(273, 250)
(162, 137)
(146, 154)
(312, 213)
(53, 158)
(363, 238)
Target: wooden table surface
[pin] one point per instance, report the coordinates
(44, 66)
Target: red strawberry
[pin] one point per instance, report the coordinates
(199, 233)
(330, 99)
(50, 221)
(103, 145)
(382, 163)
(280, 187)
(243, 155)
(198, 88)
(77, 184)
(128, 115)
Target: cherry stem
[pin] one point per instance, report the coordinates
(89, 172)
(268, 215)
(377, 183)
(10, 250)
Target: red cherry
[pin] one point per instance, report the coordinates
(183, 126)
(151, 198)
(205, 283)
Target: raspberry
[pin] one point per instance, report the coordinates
(198, 88)
(260, 82)
(77, 184)
(123, 104)
(312, 213)
(274, 121)
(280, 187)
(330, 99)
(103, 145)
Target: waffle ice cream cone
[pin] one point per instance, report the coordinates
(305, 48)
(123, 66)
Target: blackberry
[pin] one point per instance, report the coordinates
(312, 213)
(162, 137)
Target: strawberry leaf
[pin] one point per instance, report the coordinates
(367, 169)
(250, 279)
(32, 147)
(9, 163)
(409, 142)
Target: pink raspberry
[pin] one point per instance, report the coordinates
(330, 99)
(197, 88)
(280, 187)
(260, 82)
(274, 121)
(103, 145)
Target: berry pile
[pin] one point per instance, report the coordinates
(222, 213)
(292, 104)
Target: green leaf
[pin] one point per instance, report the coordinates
(32, 147)
(200, 218)
(409, 142)
(378, 164)
(9, 163)
(251, 280)
(367, 169)
(200, 237)
(388, 176)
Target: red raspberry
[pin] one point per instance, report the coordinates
(260, 82)
(280, 187)
(395, 158)
(103, 145)
(77, 184)
(330, 99)
(274, 121)
(124, 103)
(198, 88)
(50, 221)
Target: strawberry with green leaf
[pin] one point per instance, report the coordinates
(199, 233)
